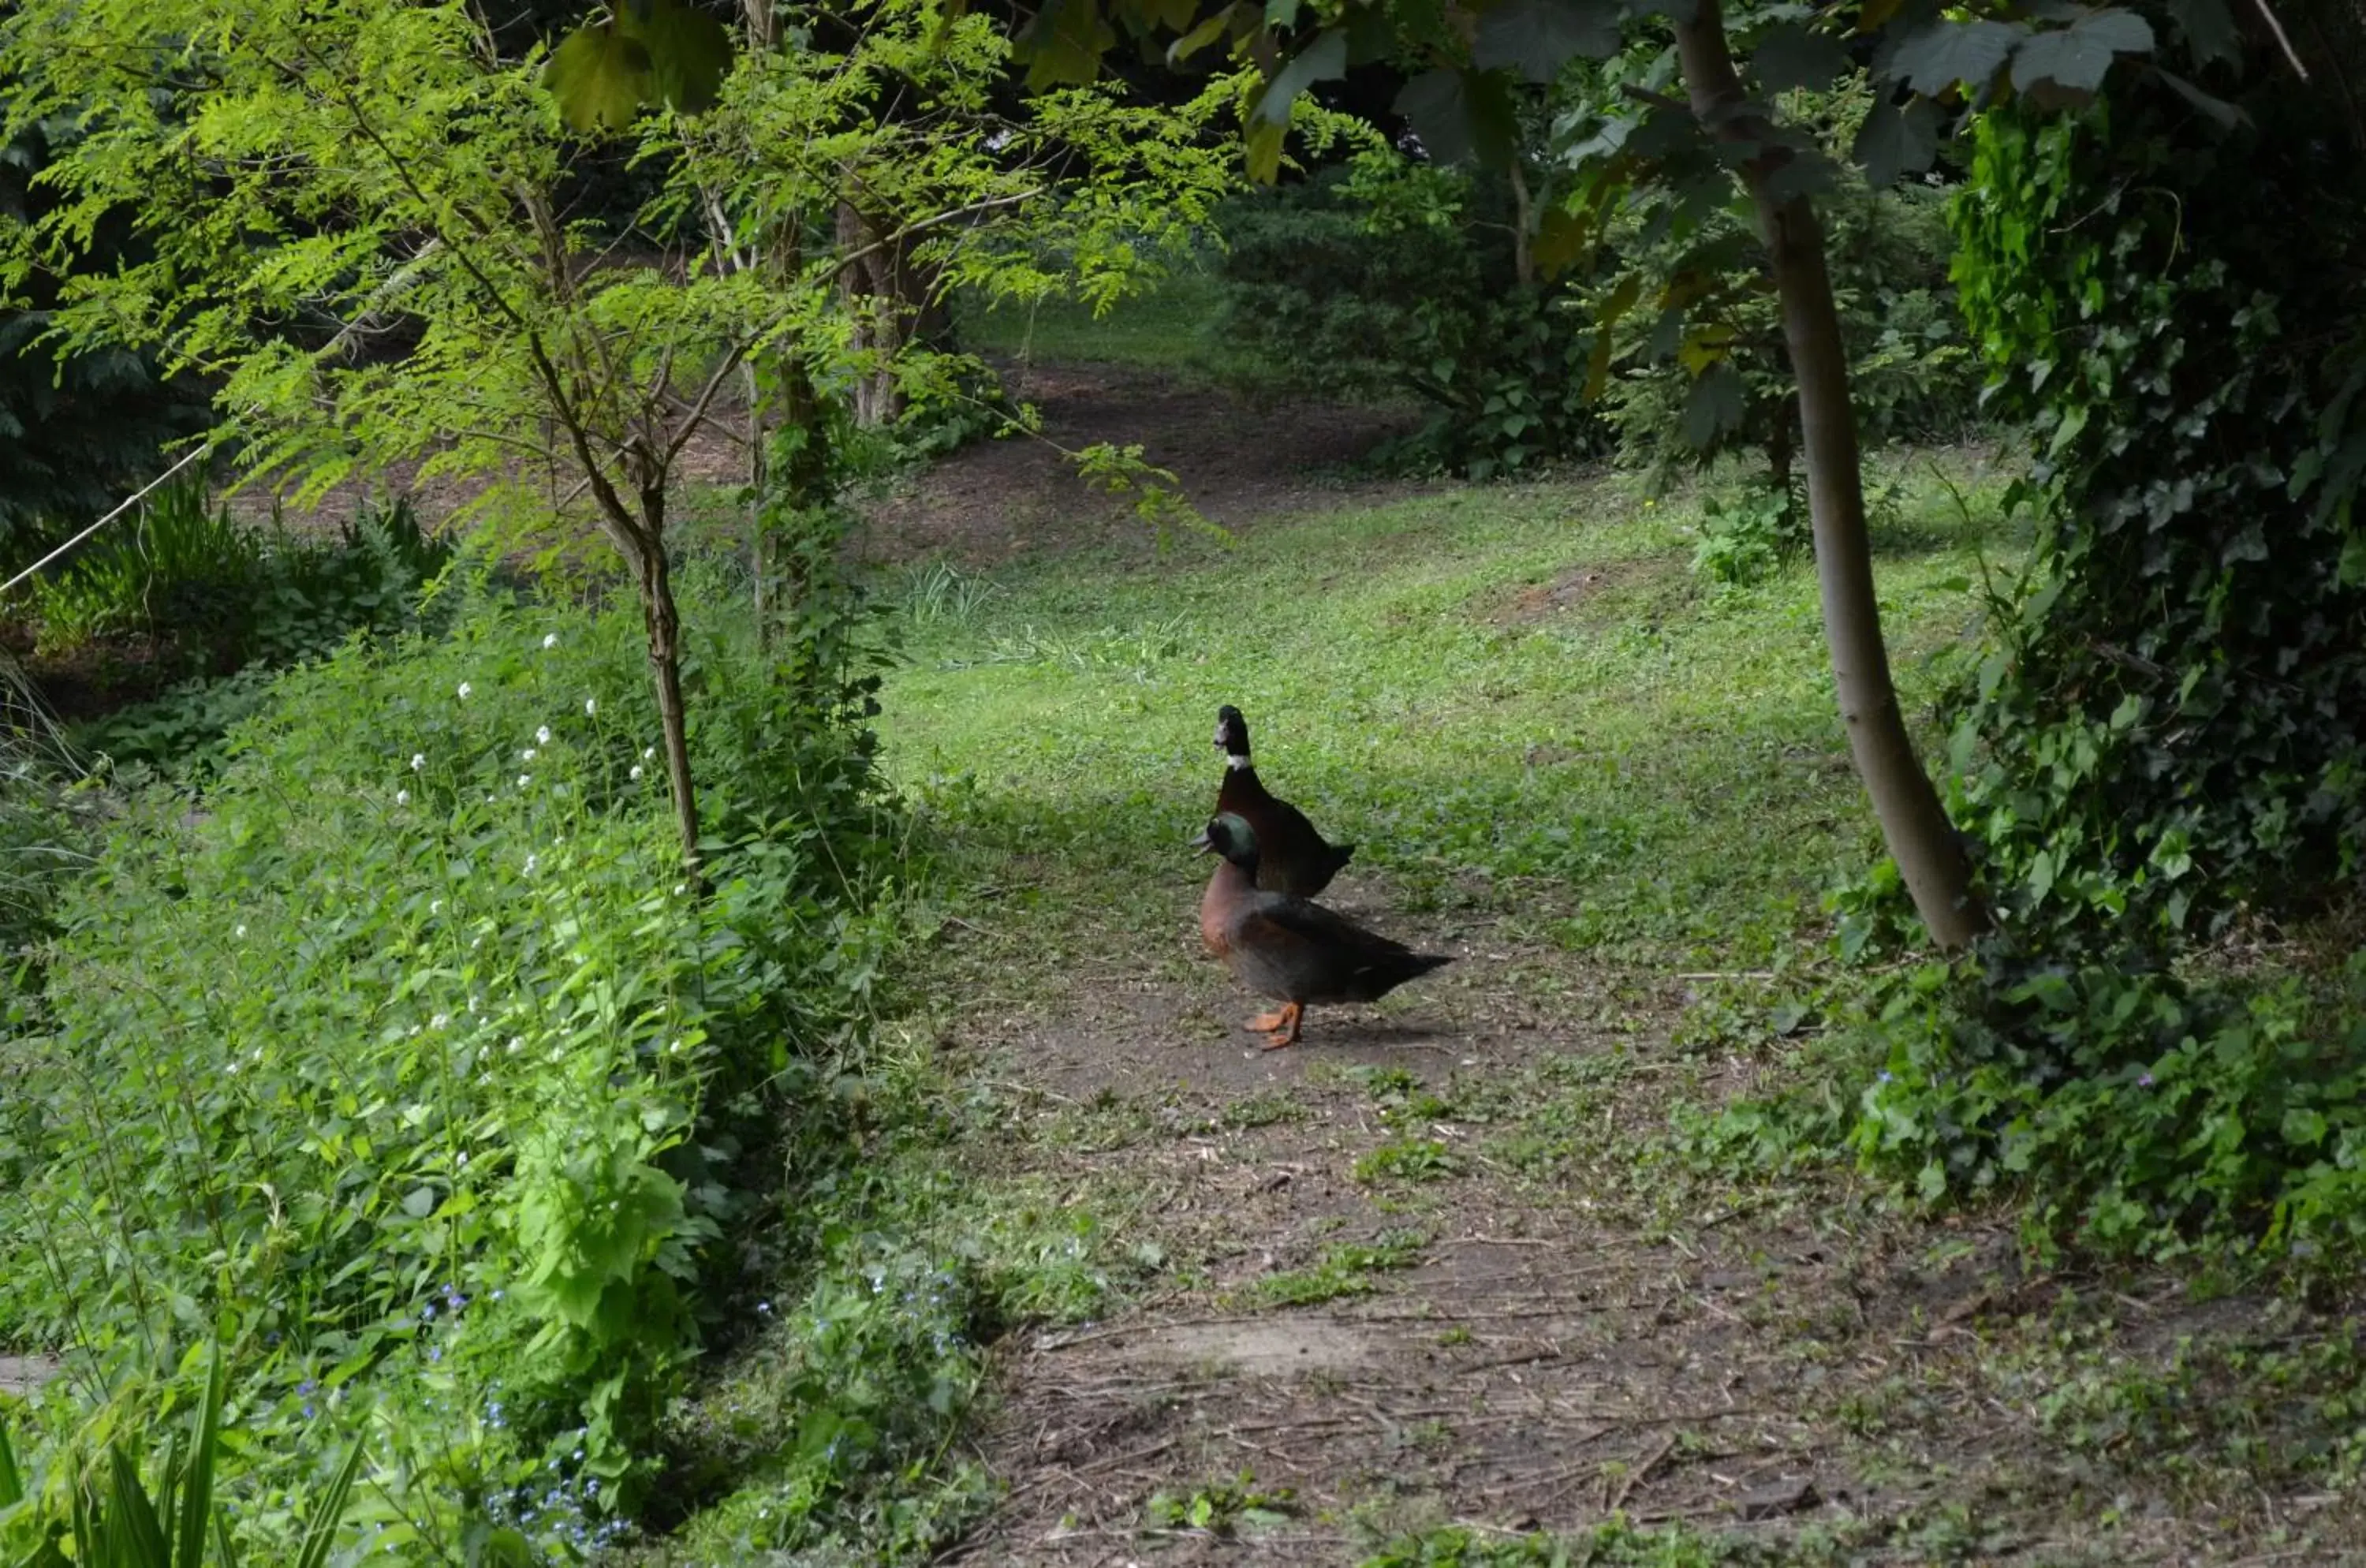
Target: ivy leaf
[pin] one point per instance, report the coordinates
(1324, 60)
(2208, 28)
(2076, 58)
(1537, 37)
(1945, 53)
(1790, 57)
(1895, 141)
(1714, 405)
(1460, 117)
(599, 77)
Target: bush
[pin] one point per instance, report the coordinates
(411, 1061)
(2167, 731)
(1707, 372)
(1393, 279)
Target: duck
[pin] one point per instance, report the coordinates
(1294, 858)
(1289, 948)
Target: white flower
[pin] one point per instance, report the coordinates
(464, 690)
(402, 798)
(464, 1159)
(418, 761)
(515, 1042)
(679, 888)
(435, 905)
(241, 932)
(524, 779)
(526, 755)
(542, 736)
(439, 1021)
(590, 706)
(636, 770)
(531, 862)
(550, 641)
(648, 753)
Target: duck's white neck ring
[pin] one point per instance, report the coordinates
(1238, 762)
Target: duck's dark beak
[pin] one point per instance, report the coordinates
(1202, 843)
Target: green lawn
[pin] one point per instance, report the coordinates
(1516, 698)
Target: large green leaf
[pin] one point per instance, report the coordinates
(1461, 117)
(689, 52)
(1715, 404)
(321, 1530)
(1944, 53)
(599, 77)
(1065, 45)
(1537, 37)
(12, 1486)
(2208, 28)
(2076, 57)
(1789, 56)
(1324, 60)
(1895, 141)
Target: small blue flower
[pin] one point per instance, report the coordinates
(2144, 1082)
(1885, 1077)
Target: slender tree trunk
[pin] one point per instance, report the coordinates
(1928, 855)
(663, 621)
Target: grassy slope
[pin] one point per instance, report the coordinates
(1638, 766)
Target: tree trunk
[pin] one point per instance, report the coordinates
(901, 303)
(663, 621)
(1928, 855)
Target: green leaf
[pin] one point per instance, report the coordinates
(1537, 37)
(197, 1486)
(1324, 59)
(2226, 115)
(130, 1514)
(1714, 406)
(1199, 37)
(12, 1485)
(1893, 142)
(689, 52)
(1264, 140)
(2303, 1127)
(599, 77)
(1462, 116)
(2076, 57)
(1562, 238)
(1789, 57)
(1065, 45)
(1944, 53)
(419, 1203)
(320, 1530)
(2208, 28)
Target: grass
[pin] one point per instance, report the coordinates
(1166, 329)
(1518, 702)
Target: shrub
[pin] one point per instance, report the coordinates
(410, 1059)
(1392, 279)
(1707, 371)
(2167, 730)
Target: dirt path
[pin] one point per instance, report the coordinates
(1437, 1265)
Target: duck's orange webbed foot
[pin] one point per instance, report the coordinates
(1284, 1028)
(1268, 1022)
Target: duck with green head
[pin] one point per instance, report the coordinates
(1289, 948)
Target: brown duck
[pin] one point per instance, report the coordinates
(1284, 946)
(1292, 856)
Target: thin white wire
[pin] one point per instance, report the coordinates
(133, 500)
